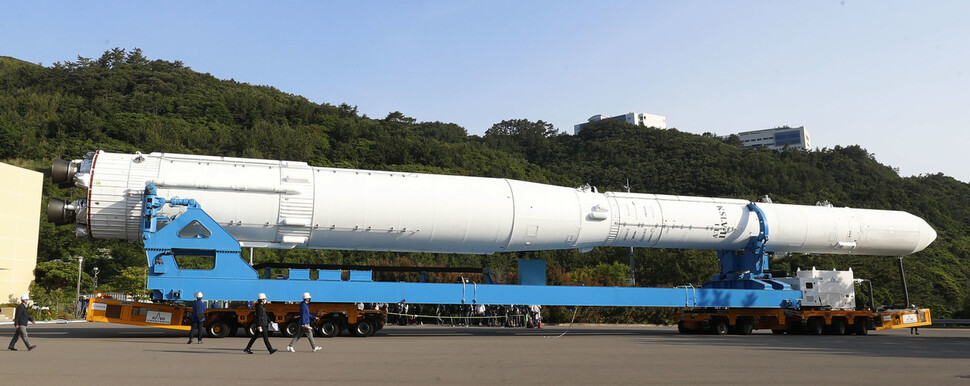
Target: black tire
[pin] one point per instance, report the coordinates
(744, 326)
(861, 326)
(377, 320)
(815, 326)
(362, 328)
(251, 330)
(837, 327)
(778, 331)
(719, 327)
(329, 328)
(682, 328)
(373, 326)
(291, 328)
(218, 329)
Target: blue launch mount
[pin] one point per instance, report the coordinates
(218, 270)
(747, 268)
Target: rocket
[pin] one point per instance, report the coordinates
(287, 204)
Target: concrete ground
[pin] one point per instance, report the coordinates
(103, 354)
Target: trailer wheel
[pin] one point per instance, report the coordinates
(291, 328)
(682, 328)
(744, 326)
(218, 329)
(837, 327)
(861, 326)
(719, 327)
(362, 328)
(815, 326)
(251, 330)
(373, 326)
(329, 328)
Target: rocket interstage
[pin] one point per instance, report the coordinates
(285, 204)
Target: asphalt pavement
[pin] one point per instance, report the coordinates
(104, 354)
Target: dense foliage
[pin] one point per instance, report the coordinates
(125, 102)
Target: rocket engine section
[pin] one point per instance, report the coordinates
(285, 204)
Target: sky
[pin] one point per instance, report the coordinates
(890, 76)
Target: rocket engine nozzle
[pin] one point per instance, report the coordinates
(60, 211)
(62, 173)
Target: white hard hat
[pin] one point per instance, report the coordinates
(198, 295)
(261, 296)
(25, 297)
(306, 295)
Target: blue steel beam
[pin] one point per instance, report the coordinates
(195, 233)
(182, 288)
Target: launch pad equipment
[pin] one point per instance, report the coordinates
(158, 199)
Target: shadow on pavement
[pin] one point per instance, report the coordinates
(874, 345)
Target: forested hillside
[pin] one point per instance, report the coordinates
(125, 102)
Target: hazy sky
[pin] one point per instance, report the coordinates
(891, 76)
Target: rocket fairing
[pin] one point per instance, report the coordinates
(286, 204)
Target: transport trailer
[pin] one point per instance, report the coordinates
(138, 314)
(827, 307)
(222, 322)
(332, 319)
(743, 321)
(157, 199)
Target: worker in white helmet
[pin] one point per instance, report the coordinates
(305, 326)
(20, 319)
(262, 325)
(197, 317)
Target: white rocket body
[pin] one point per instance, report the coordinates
(285, 204)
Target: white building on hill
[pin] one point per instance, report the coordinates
(649, 120)
(777, 139)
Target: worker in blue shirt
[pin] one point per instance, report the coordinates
(20, 319)
(197, 317)
(305, 326)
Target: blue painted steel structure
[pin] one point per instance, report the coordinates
(195, 234)
(747, 268)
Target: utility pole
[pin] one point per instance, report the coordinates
(632, 281)
(96, 279)
(902, 275)
(77, 299)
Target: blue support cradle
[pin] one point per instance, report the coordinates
(228, 277)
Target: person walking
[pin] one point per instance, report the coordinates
(262, 325)
(305, 327)
(198, 317)
(536, 314)
(20, 319)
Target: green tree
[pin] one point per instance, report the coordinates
(131, 281)
(123, 101)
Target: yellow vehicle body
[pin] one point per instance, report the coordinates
(137, 314)
(221, 322)
(890, 319)
(331, 318)
(743, 321)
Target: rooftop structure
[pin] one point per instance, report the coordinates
(649, 120)
(778, 138)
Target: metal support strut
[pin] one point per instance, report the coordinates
(747, 268)
(194, 234)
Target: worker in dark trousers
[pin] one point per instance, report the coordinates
(20, 319)
(198, 317)
(262, 325)
(305, 326)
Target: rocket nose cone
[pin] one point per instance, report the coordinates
(926, 236)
